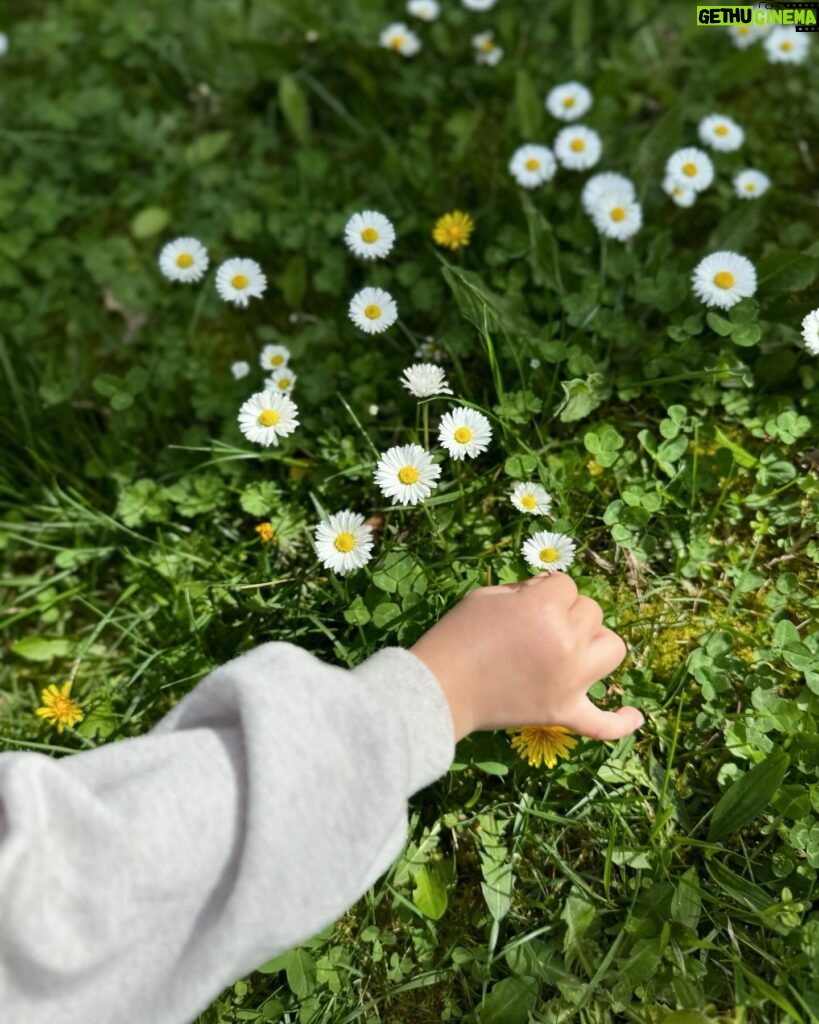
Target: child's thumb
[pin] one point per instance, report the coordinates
(606, 725)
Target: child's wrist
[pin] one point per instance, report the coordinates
(460, 706)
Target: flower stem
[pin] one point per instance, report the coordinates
(426, 425)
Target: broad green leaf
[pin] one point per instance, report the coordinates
(206, 147)
(40, 648)
(741, 456)
(746, 334)
(719, 324)
(301, 972)
(528, 106)
(510, 1001)
(686, 903)
(746, 798)
(430, 895)
(582, 397)
(520, 467)
(149, 222)
(295, 107)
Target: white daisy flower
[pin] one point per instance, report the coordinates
(683, 195)
(750, 184)
(618, 219)
(400, 37)
(464, 432)
(266, 416)
(487, 50)
(372, 410)
(531, 498)
(369, 235)
(810, 331)
(4, 44)
(344, 542)
(534, 362)
(607, 183)
(720, 133)
(429, 349)
(239, 369)
(425, 379)
(743, 35)
(784, 45)
(239, 280)
(274, 356)
(478, 5)
(578, 147)
(691, 168)
(407, 474)
(723, 278)
(281, 381)
(373, 310)
(547, 551)
(184, 259)
(569, 101)
(531, 165)
(426, 10)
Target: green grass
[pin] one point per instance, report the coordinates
(679, 448)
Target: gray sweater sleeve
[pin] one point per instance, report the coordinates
(139, 879)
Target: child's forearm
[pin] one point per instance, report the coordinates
(139, 879)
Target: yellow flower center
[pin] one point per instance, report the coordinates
(276, 360)
(456, 233)
(528, 501)
(269, 417)
(487, 46)
(284, 383)
(184, 260)
(532, 164)
(786, 46)
(239, 281)
(408, 474)
(397, 42)
(577, 145)
(743, 30)
(618, 213)
(724, 279)
(369, 235)
(677, 191)
(462, 435)
(568, 102)
(721, 129)
(548, 555)
(344, 542)
(265, 532)
(63, 707)
(750, 187)
(372, 312)
(689, 170)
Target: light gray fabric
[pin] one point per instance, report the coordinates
(139, 879)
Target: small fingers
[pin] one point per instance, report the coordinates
(591, 721)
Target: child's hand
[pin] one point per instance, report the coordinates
(526, 654)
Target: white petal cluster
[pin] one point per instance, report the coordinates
(401, 38)
(720, 133)
(464, 432)
(184, 259)
(373, 310)
(426, 10)
(578, 148)
(531, 165)
(531, 498)
(407, 474)
(548, 552)
(742, 36)
(691, 168)
(344, 542)
(569, 101)
(369, 235)
(810, 331)
(751, 184)
(723, 278)
(784, 45)
(478, 5)
(240, 369)
(239, 280)
(266, 416)
(617, 218)
(423, 380)
(607, 183)
(273, 357)
(682, 195)
(281, 381)
(487, 50)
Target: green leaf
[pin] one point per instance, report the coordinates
(295, 107)
(259, 499)
(719, 324)
(149, 221)
(686, 903)
(293, 281)
(140, 501)
(746, 334)
(510, 1001)
(528, 105)
(430, 895)
(40, 648)
(582, 397)
(207, 147)
(746, 798)
(357, 614)
(301, 972)
(106, 384)
(741, 456)
(787, 271)
(520, 467)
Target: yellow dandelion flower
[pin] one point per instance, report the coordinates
(265, 532)
(58, 708)
(542, 743)
(453, 230)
